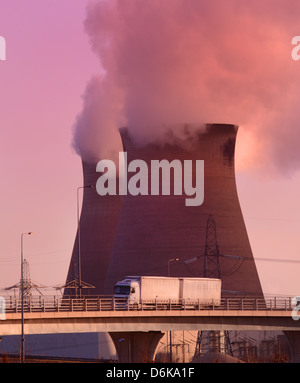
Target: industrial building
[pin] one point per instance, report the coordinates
(142, 234)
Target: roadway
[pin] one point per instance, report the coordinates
(147, 326)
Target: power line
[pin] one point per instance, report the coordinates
(277, 260)
(246, 259)
(274, 219)
(37, 254)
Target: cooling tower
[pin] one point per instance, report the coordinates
(153, 229)
(98, 222)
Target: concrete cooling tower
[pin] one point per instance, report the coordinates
(155, 229)
(140, 235)
(98, 222)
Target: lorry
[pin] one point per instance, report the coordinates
(158, 292)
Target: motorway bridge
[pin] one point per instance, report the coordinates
(143, 326)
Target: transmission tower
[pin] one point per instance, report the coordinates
(212, 341)
(28, 285)
(76, 285)
(211, 254)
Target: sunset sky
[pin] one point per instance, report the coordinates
(74, 74)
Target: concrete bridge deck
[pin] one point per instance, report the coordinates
(110, 321)
(145, 327)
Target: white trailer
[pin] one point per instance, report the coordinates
(160, 292)
(207, 290)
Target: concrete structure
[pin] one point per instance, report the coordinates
(142, 330)
(139, 235)
(154, 229)
(98, 222)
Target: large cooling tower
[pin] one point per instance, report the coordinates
(152, 230)
(98, 222)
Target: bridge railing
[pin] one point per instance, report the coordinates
(108, 303)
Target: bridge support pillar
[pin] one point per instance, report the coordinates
(136, 347)
(294, 341)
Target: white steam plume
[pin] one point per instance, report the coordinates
(192, 61)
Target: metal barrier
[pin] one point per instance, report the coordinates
(108, 303)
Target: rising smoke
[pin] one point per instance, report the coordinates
(165, 62)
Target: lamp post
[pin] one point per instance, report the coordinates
(78, 230)
(169, 261)
(22, 357)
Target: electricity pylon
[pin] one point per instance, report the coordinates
(28, 284)
(212, 341)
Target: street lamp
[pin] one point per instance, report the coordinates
(78, 230)
(22, 357)
(169, 261)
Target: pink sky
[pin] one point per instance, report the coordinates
(49, 62)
